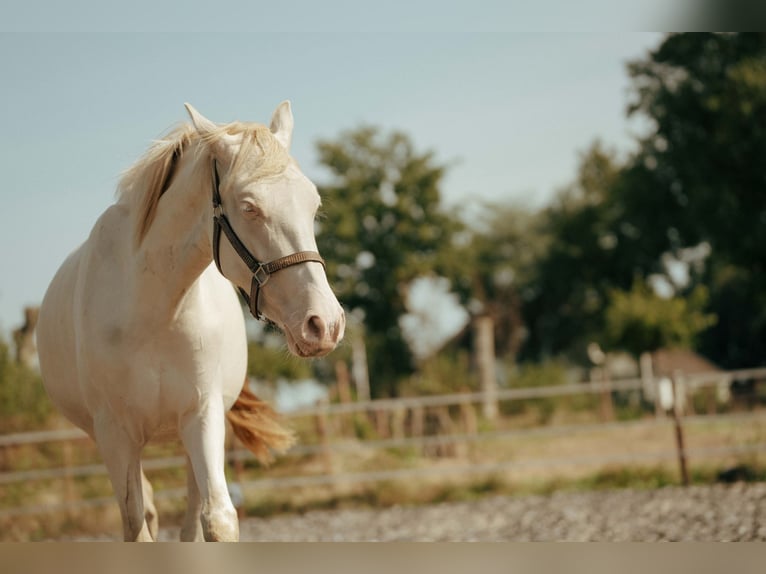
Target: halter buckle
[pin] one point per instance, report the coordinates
(261, 276)
(217, 211)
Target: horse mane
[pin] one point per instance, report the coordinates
(143, 184)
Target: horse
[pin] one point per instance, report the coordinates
(141, 335)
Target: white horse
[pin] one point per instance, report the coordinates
(140, 337)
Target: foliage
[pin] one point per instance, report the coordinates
(548, 278)
(588, 253)
(706, 95)
(696, 180)
(382, 227)
(23, 401)
(491, 269)
(545, 374)
(700, 176)
(639, 320)
(265, 362)
(739, 300)
(444, 373)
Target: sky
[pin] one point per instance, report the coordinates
(508, 112)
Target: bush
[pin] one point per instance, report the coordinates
(23, 401)
(441, 374)
(537, 375)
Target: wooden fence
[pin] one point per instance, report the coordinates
(388, 416)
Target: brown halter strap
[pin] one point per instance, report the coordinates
(261, 271)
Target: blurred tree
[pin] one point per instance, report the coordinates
(492, 266)
(700, 174)
(694, 186)
(706, 96)
(267, 362)
(385, 227)
(588, 253)
(639, 320)
(738, 339)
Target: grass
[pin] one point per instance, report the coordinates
(387, 494)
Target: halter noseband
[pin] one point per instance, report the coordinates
(261, 271)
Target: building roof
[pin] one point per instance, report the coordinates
(667, 361)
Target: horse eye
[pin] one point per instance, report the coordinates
(251, 210)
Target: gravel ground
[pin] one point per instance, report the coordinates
(700, 513)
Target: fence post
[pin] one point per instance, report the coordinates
(417, 421)
(69, 486)
(446, 428)
(359, 370)
(397, 423)
(468, 418)
(320, 422)
(651, 386)
(343, 380)
(484, 343)
(382, 426)
(607, 405)
(677, 386)
(470, 426)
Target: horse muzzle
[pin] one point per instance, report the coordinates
(317, 335)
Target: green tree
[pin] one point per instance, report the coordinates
(589, 252)
(700, 175)
(382, 226)
(639, 320)
(267, 362)
(491, 269)
(706, 96)
(738, 339)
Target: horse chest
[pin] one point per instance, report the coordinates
(146, 376)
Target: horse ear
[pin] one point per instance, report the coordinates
(203, 125)
(282, 124)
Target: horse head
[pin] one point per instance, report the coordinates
(265, 207)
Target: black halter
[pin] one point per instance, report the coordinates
(261, 271)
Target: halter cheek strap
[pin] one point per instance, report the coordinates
(261, 271)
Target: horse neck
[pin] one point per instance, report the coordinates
(177, 247)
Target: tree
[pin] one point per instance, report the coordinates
(589, 252)
(268, 362)
(382, 226)
(706, 95)
(700, 175)
(639, 320)
(492, 269)
(695, 185)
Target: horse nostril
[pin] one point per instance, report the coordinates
(315, 328)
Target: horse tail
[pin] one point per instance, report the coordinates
(257, 425)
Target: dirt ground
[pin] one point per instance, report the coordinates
(699, 513)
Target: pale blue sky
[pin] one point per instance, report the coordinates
(508, 111)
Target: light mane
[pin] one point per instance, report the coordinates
(142, 185)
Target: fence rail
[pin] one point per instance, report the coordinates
(590, 387)
(390, 405)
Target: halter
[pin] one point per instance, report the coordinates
(261, 271)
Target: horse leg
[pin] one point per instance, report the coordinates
(191, 531)
(122, 457)
(203, 436)
(150, 510)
